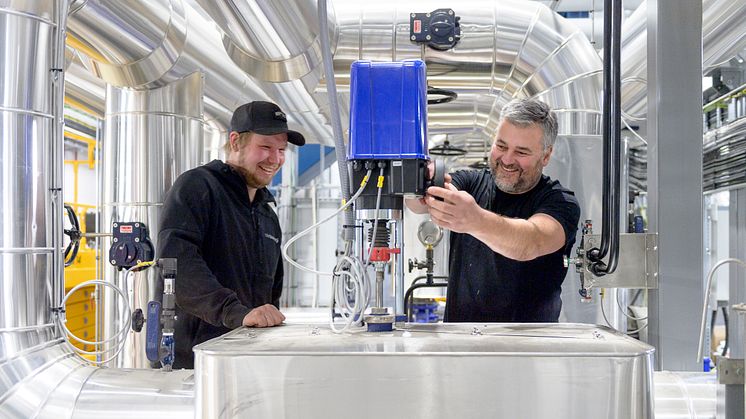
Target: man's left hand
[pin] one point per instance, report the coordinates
(458, 211)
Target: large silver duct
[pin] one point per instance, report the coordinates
(143, 45)
(39, 376)
(151, 137)
(722, 38)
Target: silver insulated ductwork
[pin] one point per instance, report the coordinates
(722, 38)
(160, 59)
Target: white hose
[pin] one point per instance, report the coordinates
(120, 337)
(349, 278)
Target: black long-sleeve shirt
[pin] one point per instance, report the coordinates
(227, 250)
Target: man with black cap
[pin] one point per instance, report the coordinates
(218, 223)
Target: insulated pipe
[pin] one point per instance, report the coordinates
(251, 30)
(143, 45)
(722, 38)
(28, 173)
(509, 49)
(151, 137)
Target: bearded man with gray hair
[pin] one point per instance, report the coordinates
(511, 226)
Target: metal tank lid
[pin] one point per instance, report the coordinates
(443, 339)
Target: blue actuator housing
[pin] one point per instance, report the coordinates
(388, 130)
(388, 110)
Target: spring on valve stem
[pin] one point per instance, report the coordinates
(382, 234)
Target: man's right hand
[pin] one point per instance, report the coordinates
(418, 205)
(264, 316)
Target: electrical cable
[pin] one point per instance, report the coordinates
(349, 277)
(311, 228)
(375, 219)
(608, 323)
(623, 310)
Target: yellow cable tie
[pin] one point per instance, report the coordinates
(380, 182)
(365, 181)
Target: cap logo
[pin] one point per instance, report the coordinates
(281, 116)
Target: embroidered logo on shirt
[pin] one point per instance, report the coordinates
(273, 238)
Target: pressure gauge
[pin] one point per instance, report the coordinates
(429, 233)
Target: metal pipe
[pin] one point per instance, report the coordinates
(151, 137)
(340, 147)
(722, 38)
(30, 176)
(708, 288)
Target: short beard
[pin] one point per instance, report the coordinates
(520, 186)
(249, 178)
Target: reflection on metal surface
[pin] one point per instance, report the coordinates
(684, 395)
(41, 378)
(151, 138)
(157, 30)
(722, 38)
(508, 49)
(26, 126)
(638, 262)
(308, 371)
(272, 41)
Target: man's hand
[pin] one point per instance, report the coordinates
(419, 205)
(263, 316)
(458, 211)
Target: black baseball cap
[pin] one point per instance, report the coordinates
(264, 118)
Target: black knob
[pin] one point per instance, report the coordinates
(138, 320)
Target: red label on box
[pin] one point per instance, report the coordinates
(417, 26)
(125, 229)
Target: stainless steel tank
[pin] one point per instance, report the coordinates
(435, 371)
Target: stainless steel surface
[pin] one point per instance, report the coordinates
(569, 156)
(151, 137)
(272, 41)
(734, 396)
(27, 169)
(115, 393)
(382, 214)
(41, 378)
(675, 179)
(685, 395)
(638, 262)
(454, 370)
(730, 371)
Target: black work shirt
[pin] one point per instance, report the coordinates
(227, 250)
(485, 286)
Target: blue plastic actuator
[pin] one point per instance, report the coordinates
(388, 110)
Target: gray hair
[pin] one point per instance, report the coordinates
(529, 112)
